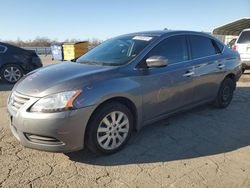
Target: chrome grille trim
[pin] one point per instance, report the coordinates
(17, 100)
(42, 139)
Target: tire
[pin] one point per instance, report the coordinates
(11, 73)
(102, 132)
(243, 70)
(225, 93)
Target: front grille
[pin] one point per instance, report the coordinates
(17, 100)
(42, 139)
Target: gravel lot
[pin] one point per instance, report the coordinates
(204, 147)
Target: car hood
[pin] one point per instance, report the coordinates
(60, 77)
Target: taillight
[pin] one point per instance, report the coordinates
(234, 47)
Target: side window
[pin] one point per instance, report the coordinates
(174, 49)
(244, 37)
(216, 47)
(203, 46)
(3, 49)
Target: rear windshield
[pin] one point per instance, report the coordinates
(244, 37)
(3, 49)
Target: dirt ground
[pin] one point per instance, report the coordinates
(203, 147)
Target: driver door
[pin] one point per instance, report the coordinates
(166, 89)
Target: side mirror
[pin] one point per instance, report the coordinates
(157, 61)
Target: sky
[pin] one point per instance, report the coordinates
(102, 19)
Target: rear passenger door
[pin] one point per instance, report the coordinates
(208, 66)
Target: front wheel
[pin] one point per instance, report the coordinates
(109, 129)
(225, 93)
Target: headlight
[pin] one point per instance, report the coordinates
(56, 102)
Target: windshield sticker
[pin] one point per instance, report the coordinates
(145, 38)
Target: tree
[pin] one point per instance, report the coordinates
(46, 42)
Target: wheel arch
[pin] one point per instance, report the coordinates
(123, 100)
(233, 77)
(9, 64)
(120, 99)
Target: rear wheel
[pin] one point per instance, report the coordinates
(243, 70)
(225, 94)
(11, 73)
(109, 129)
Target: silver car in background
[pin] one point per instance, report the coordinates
(121, 85)
(242, 45)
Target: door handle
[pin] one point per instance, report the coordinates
(188, 74)
(221, 66)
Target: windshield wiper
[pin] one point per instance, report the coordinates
(74, 60)
(89, 62)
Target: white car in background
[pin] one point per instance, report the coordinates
(242, 45)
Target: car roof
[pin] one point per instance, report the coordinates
(1, 43)
(8, 45)
(15, 48)
(248, 29)
(160, 33)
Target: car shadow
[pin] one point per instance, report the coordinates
(199, 132)
(5, 86)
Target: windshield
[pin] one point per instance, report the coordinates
(117, 51)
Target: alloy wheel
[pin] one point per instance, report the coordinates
(113, 130)
(12, 74)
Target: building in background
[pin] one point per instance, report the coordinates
(231, 30)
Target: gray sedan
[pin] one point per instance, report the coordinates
(121, 85)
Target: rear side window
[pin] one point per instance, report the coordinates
(203, 46)
(218, 45)
(3, 49)
(174, 49)
(244, 37)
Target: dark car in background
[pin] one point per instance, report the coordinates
(120, 86)
(15, 62)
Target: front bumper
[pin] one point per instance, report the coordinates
(56, 132)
